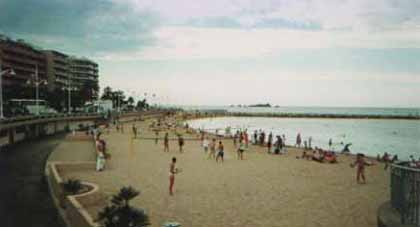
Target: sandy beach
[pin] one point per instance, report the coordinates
(262, 190)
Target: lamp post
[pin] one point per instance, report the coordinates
(154, 99)
(69, 89)
(35, 80)
(3, 72)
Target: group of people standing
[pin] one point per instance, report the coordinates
(307, 144)
(210, 149)
(181, 142)
(275, 147)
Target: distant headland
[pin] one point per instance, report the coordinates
(253, 105)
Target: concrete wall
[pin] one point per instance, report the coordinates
(74, 213)
(31, 131)
(20, 131)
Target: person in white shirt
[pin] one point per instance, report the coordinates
(206, 144)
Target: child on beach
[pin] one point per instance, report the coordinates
(156, 137)
(330, 143)
(241, 150)
(206, 145)
(172, 171)
(284, 144)
(246, 139)
(310, 142)
(235, 138)
(166, 143)
(220, 153)
(269, 142)
(134, 128)
(386, 159)
(360, 164)
(255, 137)
(100, 155)
(298, 140)
(180, 143)
(212, 153)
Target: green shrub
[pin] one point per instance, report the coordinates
(121, 214)
(72, 186)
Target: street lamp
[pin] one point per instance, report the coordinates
(69, 88)
(36, 81)
(3, 72)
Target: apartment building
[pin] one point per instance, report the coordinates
(60, 70)
(83, 71)
(24, 59)
(57, 69)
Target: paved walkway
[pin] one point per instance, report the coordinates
(24, 195)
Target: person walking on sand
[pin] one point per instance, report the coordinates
(269, 142)
(246, 138)
(100, 155)
(283, 141)
(220, 152)
(235, 139)
(212, 146)
(166, 143)
(156, 137)
(255, 138)
(206, 144)
(134, 128)
(180, 143)
(330, 143)
(172, 171)
(298, 140)
(360, 165)
(241, 150)
(310, 142)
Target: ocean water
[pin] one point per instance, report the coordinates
(368, 136)
(374, 111)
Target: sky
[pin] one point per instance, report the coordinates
(363, 53)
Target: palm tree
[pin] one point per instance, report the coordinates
(121, 214)
(130, 101)
(107, 93)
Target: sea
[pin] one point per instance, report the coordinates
(368, 136)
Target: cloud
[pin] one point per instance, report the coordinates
(246, 23)
(79, 26)
(213, 22)
(183, 43)
(326, 14)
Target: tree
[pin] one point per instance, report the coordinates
(141, 105)
(118, 98)
(130, 101)
(107, 93)
(57, 99)
(72, 186)
(121, 214)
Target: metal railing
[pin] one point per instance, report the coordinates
(405, 193)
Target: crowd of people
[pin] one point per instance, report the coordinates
(214, 148)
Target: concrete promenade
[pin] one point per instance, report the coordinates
(24, 195)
